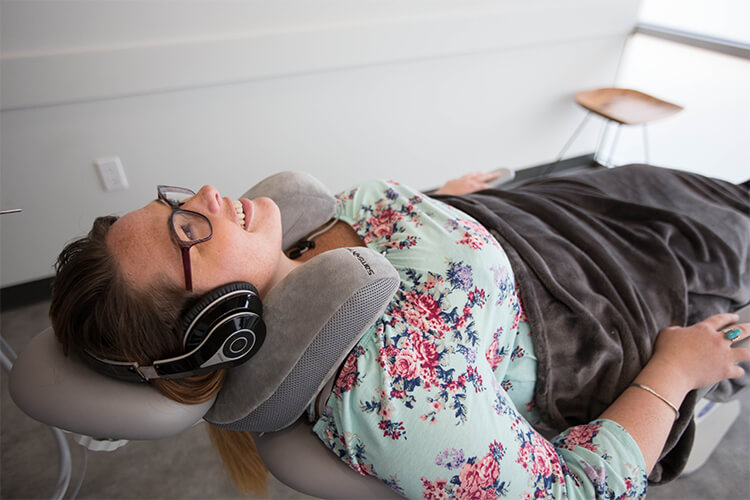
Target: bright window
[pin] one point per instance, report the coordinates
(722, 19)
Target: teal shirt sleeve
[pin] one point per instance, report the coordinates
(425, 401)
(606, 460)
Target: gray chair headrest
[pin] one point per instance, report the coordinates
(62, 391)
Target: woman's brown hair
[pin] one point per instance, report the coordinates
(94, 308)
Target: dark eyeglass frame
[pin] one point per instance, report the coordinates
(185, 245)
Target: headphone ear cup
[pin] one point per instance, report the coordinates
(210, 308)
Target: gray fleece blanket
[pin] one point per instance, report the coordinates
(605, 260)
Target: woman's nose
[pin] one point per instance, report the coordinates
(207, 198)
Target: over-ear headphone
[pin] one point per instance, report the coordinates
(224, 328)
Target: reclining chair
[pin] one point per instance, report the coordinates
(66, 393)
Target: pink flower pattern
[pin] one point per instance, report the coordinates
(349, 376)
(495, 353)
(581, 435)
(478, 478)
(537, 455)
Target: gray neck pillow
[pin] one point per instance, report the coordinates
(313, 319)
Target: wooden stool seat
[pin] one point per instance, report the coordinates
(625, 106)
(622, 107)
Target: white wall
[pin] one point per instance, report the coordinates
(227, 93)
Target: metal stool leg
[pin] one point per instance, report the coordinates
(614, 143)
(645, 142)
(602, 138)
(573, 137)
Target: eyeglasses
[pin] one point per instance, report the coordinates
(188, 228)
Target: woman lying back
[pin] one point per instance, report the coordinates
(438, 398)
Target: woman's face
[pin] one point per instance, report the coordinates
(142, 243)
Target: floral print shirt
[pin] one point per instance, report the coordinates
(436, 399)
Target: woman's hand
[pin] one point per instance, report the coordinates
(701, 354)
(684, 358)
(469, 183)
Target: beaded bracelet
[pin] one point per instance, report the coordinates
(646, 388)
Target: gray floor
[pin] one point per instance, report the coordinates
(187, 467)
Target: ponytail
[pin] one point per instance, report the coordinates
(241, 459)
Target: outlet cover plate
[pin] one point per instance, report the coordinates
(111, 173)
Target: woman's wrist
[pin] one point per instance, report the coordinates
(664, 400)
(665, 379)
(646, 416)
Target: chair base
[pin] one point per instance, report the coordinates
(712, 422)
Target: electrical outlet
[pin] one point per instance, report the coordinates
(111, 173)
